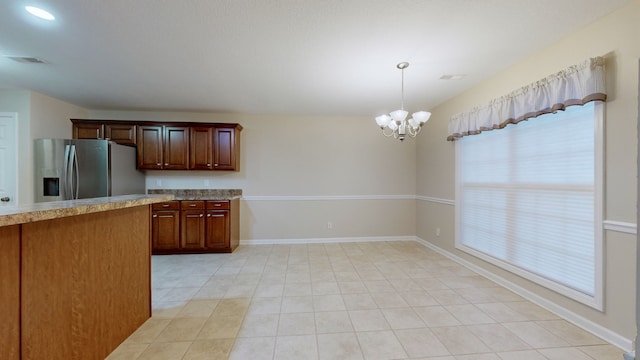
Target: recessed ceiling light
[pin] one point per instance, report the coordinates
(42, 14)
(453, 77)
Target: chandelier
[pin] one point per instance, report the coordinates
(396, 124)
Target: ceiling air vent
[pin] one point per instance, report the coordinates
(453, 76)
(27, 59)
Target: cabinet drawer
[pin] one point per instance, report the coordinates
(218, 205)
(192, 204)
(169, 205)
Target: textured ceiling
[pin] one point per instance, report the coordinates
(304, 57)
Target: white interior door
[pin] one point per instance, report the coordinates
(8, 159)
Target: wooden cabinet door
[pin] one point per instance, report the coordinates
(124, 134)
(149, 147)
(217, 229)
(192, 233)
(165, 229)
(224, 149)
(201, 148)
(176, 148)
(88, 130)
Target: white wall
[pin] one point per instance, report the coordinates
(615, 37)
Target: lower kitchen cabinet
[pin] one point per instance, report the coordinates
(192, 225)
(195, 226)
(165, 226)
(218, 224)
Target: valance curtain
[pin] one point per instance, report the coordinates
(576, 85)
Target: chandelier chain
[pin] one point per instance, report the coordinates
(402, 91)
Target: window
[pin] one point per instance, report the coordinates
(529, 200)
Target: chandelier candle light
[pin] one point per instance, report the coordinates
(396, 124)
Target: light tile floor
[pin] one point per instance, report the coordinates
(384, 300)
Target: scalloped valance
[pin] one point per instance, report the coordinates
(576, 85)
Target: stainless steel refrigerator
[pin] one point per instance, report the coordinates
(78, 169)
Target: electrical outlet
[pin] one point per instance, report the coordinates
(206, 183)
(329, 225)
(437, 231)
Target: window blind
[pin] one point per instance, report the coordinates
(527, 198)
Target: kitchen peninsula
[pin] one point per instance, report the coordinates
(74, 276)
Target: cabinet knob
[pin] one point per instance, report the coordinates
(159, 164)
(192, 205)
(208, 215)
(155, 216)
(208, 165)
(217, 205)
(166, 164)
(201, 215)
(215, 164)
(165, 205)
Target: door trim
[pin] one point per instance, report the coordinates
(13, 116)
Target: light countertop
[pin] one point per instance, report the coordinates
(200, 194)
(22, 214)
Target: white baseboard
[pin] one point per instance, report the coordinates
(586, 324)
(326, 240)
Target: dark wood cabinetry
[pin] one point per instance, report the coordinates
(176, 148)
(121, 132)
(201, 150)
(163, 147)
(150, 147)
(226, 148)
(170, 145)
(192, 224)
(165, 225)
(218, 225)
(88, 131)
(124, 134)
(195, 226)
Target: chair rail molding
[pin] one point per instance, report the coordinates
(619, 226)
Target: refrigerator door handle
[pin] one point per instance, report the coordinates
(75, 173)
(67, 173)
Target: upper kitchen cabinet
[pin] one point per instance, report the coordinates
(163, 147)
(226, 147)
(150, 146)
(201, 148)
(176, 148)
(170, 145)
(121, 132)
(215, 147)
(189, 146)
(88, 130)
(124, 134)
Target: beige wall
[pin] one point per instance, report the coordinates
(39, 116)
(615, 37)
(50, 117)
(292, 158)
